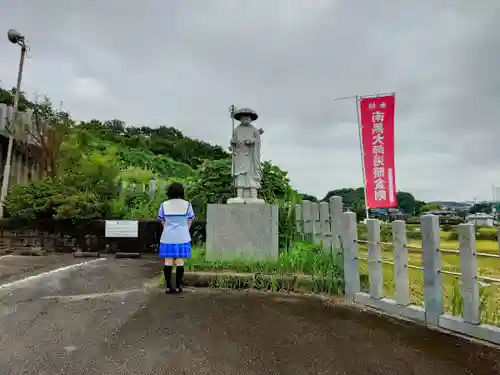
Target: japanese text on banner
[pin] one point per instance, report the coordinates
(377, 132)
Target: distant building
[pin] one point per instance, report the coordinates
(24, 166)
(441, 213)
(481, 219)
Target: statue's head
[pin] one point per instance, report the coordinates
(245, 120)
(245, 116)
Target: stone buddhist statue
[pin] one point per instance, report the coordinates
(247, 168)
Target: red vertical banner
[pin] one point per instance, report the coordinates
(377, 137)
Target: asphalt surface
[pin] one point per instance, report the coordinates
(107, 317)
(15, 267)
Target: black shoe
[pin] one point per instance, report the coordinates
(179, 274)
(167, 273)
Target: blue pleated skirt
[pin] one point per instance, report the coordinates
(175, 250)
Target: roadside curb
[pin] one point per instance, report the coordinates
(261, 281)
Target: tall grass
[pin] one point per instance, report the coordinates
(301, 259)
(286, 211)
(488, 310)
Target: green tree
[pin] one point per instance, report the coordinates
(350, 197)
(213, 184)
(418, 206)
(87, 161)
(430, 207)
(83, 190)
(7, 97)
(406, 203)
(308, 197)
(162, 141)
(49, 128)
(275, 183)
(483, 207)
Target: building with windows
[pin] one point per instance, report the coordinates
(481, 219)
(24, 166)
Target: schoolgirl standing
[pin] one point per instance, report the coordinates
(176, 215)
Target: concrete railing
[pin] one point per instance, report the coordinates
(338, 232)
(320, 222)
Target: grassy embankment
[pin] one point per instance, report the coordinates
(303, 267)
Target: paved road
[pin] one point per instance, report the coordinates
(103, 318)
(15, 267)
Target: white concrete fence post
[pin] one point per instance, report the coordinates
(433, 280)
(349, 238)
(374, 258)
(163, 189)
(307, 221)
(123, 187)
(336, 211)
(498, 239)
(298, 221)
(152, 189)
(401, 280)
(324, 222)
(316, 234)
(468, 270)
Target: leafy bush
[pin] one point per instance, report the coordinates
(486, 233)
(83, 191)
(414, 235)
(482, 233)
(446, 227)
(413, 220)
(453, 236)
(52, 198)
(385, 232)
(362, 231)
(453, 220)
(135, 205)
(94, 158)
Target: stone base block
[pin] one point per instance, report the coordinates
(242, 231)
(238, 200)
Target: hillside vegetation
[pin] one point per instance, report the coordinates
(88, 161)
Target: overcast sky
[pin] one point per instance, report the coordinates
(183, 62)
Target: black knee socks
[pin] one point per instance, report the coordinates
(167, 272)
(179, 273)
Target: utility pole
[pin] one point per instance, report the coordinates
(16, 38)
(232, 110)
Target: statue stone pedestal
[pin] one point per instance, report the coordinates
(242, 231)
(249, 200)
(236, 200)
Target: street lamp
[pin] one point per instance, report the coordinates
(15, 38)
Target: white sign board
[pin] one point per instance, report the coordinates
(122, 229)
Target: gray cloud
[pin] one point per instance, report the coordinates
(183, 63)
